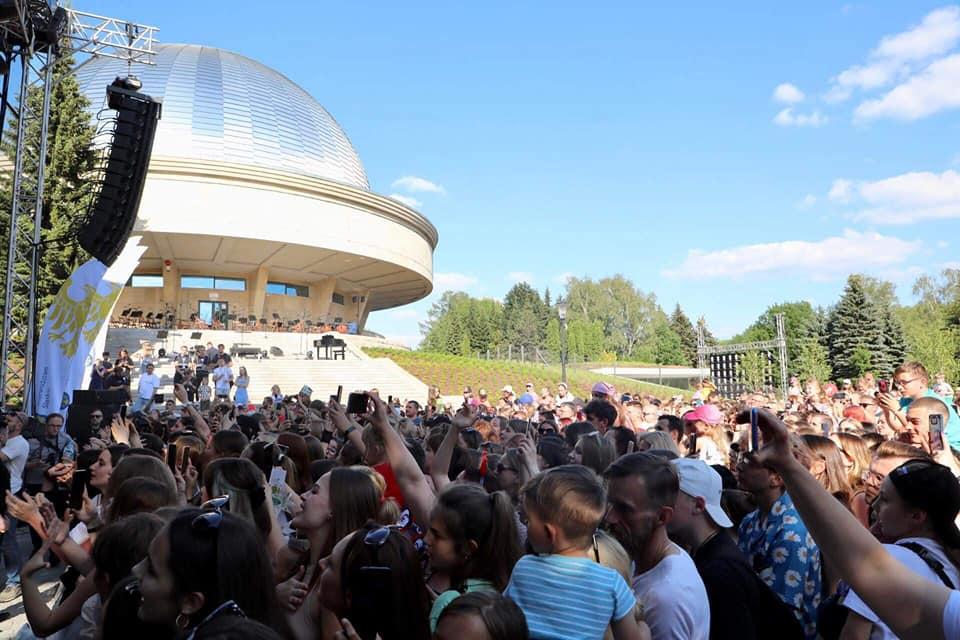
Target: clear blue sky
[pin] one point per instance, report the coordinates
(726, 158)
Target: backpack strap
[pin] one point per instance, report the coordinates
(935, 565)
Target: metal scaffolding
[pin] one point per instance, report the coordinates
(723, 360)
(35, 36)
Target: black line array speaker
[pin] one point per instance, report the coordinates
(114, 211)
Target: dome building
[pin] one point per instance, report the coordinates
(256, 203)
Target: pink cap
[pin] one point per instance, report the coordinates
(708, 413)
(602, 388)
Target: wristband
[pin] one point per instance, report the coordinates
(349, 430)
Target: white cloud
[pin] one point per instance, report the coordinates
(413, 203)
(932, 90)
(520, 276)
(808, 201)
(910, 197)
(452, 280)
(416, 184)
(787, 93)
(562, 278)
(897, 55)
(841, 190)
(787, 118)
(830, 258)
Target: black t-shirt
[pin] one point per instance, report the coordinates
(742, 606)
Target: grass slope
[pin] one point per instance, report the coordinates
(452, 373)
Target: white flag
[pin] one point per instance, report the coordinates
(75, 322)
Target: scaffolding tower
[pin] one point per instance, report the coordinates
(34, 33)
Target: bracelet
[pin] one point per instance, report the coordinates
(349, 430)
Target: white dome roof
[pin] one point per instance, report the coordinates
(222, 106)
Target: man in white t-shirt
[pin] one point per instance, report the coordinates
(222, 379)
(149, 383)
(642, 491)
(13, 454)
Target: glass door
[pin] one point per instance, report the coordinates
(213, 313)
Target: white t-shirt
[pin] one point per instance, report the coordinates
(224, 375)
(951, 616)
(149, 383)
(17, 449)
(673, 599)
(916, 564)
(709, 451)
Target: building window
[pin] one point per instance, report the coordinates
(145, 280)
(285, 289)
(211, 282)
(338, 298)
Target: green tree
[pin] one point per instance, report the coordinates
(524, 317)
(798, 320)
(753, 370)
(628, 315)
(668, 347)
(70, 162)
(855, 333)
(811, 360)
(682, 326)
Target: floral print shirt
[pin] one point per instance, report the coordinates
(786, 558)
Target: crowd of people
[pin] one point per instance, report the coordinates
(830, 513)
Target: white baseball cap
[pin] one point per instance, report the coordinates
(698, 480)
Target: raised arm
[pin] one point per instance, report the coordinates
(440, 469)
(413, 483)
(201, 425)
(911, 605)
(344, 424)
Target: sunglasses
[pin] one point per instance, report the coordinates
(227, 608)
(213, 514)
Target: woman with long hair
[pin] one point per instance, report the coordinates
(241, 383)
(472, 541)
(339, 503)
(206, 563)
(594, 452)
(249, 494)
(827, 467)
(374, 579)
(916, 509)
(856, 460)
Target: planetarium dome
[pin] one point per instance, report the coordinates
(224, 107)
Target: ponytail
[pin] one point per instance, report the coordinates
(488, 520)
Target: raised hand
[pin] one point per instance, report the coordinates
(120, 430)
(291, 592)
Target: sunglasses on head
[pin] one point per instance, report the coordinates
(213, 514)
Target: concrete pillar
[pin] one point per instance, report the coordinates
(258, 290)
(362, 312)
(171, 291)
(321, 297)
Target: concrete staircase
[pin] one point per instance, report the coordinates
(290, 371)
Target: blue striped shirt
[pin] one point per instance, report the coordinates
(569, 598)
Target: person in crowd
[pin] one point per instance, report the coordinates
(374, 580)
(146, 389)
(223, 379)
(706, 424)
(943, 388)
(826, 465)
(101, 369)
(240, 396)
(14, 452)
(206, 563)
(776, 543)
(657, 440)
(742, 607)
(563, 394)
(856, 460)
(912, 606)
(507, 402)
(602, 391)
(50, 462)
(886, 457)
(411, 411)
(566, 414)
(601, 414)
(594, 452)
(482, 615)
(642, 492)
(673, 426)
(472, 541)
(916, 512)
(913, 381)
(561, 590)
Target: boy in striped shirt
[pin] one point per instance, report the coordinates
(562, 591)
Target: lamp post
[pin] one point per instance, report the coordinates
(562, 312)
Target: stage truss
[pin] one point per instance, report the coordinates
(725, 362)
